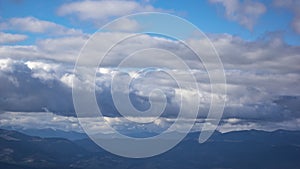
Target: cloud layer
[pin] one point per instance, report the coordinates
(45, 120)
(262, 75)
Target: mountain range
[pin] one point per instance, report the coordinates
(251, 149)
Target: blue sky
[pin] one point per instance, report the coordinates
(258, 43)
(209, 16)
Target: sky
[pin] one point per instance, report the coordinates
(257, 41)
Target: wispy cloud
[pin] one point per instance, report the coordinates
(292, 6)
(34, 25)
(102, 10)
(245, 13)
(11, 38)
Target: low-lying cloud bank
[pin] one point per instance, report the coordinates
(46, 120)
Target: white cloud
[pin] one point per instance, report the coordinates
(238, 125)
(28, 120)
(44, 71)
(6, 65)
(68, 79)
(64, 49)
(34, 25)
(102, 10)
(11, 38)
(19, 51)
(67, 48)
(61, 49)
(245, 13)
(124, 25)
(269, 56)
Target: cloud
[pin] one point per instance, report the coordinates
(34, 84)
(102, 10)
(245, 13)
(11, 38)
(41, 76)
(34, 25)
(262, 55)
(42, 120)
(228, 125)
(262, 75)
(293, 6)
(45, 120)
(124, 25)
(47, 84)
(29, 120)
(65, 49)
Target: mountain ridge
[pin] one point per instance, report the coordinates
(245, 149)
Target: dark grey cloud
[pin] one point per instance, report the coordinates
(21, 91)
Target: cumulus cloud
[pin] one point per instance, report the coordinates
(35, 25)
(293, 6)
(245, 13)
(11, 38)
(34, 84)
